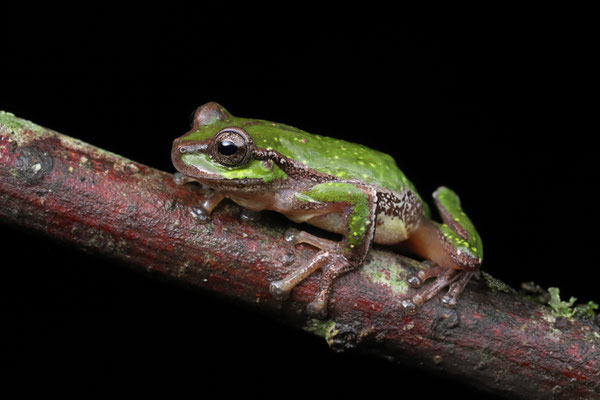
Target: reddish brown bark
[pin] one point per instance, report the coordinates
(104, 203)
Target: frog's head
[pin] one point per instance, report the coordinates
(218, 150)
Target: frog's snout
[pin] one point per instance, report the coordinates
(181, 148)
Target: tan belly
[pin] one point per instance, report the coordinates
(388, 231)
(332, 222)
(391, 230)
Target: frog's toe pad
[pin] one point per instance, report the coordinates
(414, 281)
(278, 290)
(200, 214)
(409, 306)
(291, 235)
(179, 178)
(449, 300)
(316, 309)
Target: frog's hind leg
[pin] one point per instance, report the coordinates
(281, 289)
(453, 248)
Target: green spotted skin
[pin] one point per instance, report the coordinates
(335, 157)
(463, 235)
(343, 192)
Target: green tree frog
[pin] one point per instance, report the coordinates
(341, 187)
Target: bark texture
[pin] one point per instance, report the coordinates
(104, 203)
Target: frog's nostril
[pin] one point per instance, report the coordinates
(198, 148)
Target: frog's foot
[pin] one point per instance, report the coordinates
(456, 279)
(329, 259)
(203, 210)
(281, 289)
(334, 265)
(338, 266)
(457, 287)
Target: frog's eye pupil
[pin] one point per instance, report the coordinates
(227, 148)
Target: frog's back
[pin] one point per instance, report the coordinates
(342, 159)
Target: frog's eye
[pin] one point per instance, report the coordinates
(231, 147)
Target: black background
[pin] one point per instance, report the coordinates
(502, 110)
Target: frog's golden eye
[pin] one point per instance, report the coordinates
(231, 147)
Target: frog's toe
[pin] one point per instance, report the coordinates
(279, 290)
(456, 288)
(444, 277)
(417, 280)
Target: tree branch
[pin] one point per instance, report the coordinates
(107, 204)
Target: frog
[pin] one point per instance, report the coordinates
(348, 189)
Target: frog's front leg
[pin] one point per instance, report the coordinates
(354, 207)
(454, 247)
(211, 200)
